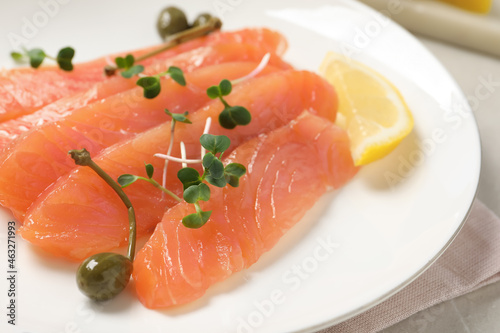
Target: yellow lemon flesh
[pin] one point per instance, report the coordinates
(478, 6)
(371, 109)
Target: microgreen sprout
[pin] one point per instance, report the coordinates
(127, 64)
(231, 116)
(194, 187)
(152, 86)
(176, 117)
(214, 173)
(128, 179)
(36, 57)
(102, 276)
(183, 153)
(263, 63)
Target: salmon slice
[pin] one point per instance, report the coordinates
(187, 61)
(25, 90)
(289, 169)
(80, 215)
(38, 158)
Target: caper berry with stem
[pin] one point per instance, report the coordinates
(171, 21)
(202, 19)
(104, 275)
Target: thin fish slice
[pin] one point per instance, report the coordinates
(40, 157)
(80, 215)
(25, 90)
(289, 169)
(187, 61)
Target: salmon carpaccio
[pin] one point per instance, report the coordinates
(79, 215)
(25, 90)
(187, 61)
(37, 159)
(288, 170)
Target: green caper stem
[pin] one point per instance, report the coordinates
(212, 25)
(132, 233)
(224, 102)
(50, 57)
(165, 190)
(82, 157)
(197, 207)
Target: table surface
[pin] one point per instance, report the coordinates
(478, 311)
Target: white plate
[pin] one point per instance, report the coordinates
(385, 227)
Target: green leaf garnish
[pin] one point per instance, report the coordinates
(150, 170)
(134, 70)
(180, 117)
(225, 87)
(126, 179)
(19, 57)
(208, 160)
(195, 193)
(233, 172)
(36, 57)
(213, 92)
(235, 169)
(129, 60)
(151, 85)
(232, 116)
(125, 62)
(213, 166)
(189, 177)
(177, 75)
(215, 143)
(196, 220)
(219, 182)
(120, 62)
(64, 58)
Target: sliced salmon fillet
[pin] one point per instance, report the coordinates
(25, 90)
(289, 169)
(187, 61)
(80, 215)
(38, 158)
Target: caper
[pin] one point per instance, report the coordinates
(171, 21)
(104, 275)
(202, 19)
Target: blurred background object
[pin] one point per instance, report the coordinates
(444, 22)
(478, 6)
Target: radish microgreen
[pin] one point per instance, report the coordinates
(127, 64)
(152, 86)
(36, 57)
(195, 186)
(231, 116)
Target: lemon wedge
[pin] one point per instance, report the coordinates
(478, 6)
(371, 109)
